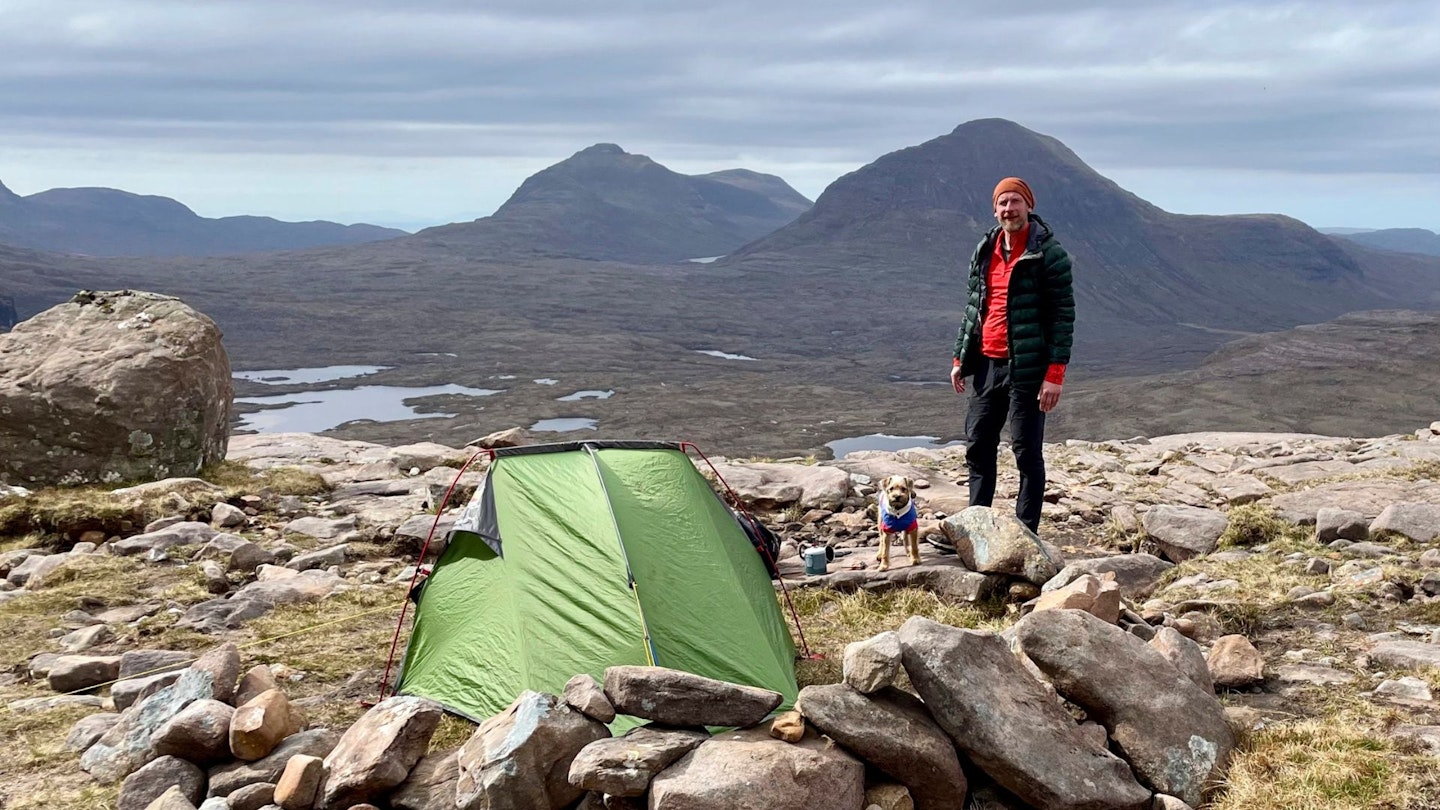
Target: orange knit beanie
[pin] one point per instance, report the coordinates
(1017, 185)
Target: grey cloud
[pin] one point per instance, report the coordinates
(1314, 87)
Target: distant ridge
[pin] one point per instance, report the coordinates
(109, 222)
(1403, 240)
(604, 203)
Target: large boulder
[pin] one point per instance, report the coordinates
(749, 769)
(520, 758)
(675, 698)
(1173, 733)
(378, 751)
(624, 766)
(199, 733)
(1417, 521)
(994, 542)
(1003, 720)
(112, 386)
(892, 731)
(1183, 532)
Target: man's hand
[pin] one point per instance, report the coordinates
(956, 381)
(1049, 396)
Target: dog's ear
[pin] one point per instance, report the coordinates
(910, 486)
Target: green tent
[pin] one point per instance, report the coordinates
(579, 556)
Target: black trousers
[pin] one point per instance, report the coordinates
(993, 402)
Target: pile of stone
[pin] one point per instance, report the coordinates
(992, 718)
(222, 741)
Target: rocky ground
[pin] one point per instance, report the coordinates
(1304, 569)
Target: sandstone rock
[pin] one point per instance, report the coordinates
(674, 698)
(185, 533)
(1408, 687)
(1418, 521)
(322, 528)
(510, 437)
(888, 796)
(521, 757)
(1137, 574)
(768, 486)
(172, 799)
(72, 673)
(788, 726)
(130, 691)
(1185, 655)
(226, 779)
(46, 704)
(583, 693)
(320, 558)
(1406, 654)
(430, 785)
(88, 730)
(31, 572)
(112, 386)
(748, 769)
(624, 766)
(1172, 732)
(235, 553)
(1183, 532)
(259, 725)
(258, 679)
(1336, 524)
(252, 797)
(1163, 802)
(151, 781)
(214, 575)
(872, 664)
(993, 542)
(140, 663)
(1005, 723)
(1238, 490)
(378, 751)
(299, 783)
(1235, 664)
(199, 733)
(892, 731)
(1312, 674)
(225, 516)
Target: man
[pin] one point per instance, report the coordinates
(1015, 343)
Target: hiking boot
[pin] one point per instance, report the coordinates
(941, 543)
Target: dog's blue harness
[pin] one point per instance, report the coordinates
(898, 523)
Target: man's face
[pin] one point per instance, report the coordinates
(1011, 211)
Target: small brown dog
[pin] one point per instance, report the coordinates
(896, 514)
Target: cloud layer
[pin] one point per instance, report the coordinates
(1328, 93)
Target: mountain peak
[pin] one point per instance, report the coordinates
(6, 195)
(602, 149)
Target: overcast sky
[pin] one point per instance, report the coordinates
(431, 111)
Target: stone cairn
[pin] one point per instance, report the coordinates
(1064, 710)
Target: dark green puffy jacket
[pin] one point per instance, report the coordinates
(1040, 307)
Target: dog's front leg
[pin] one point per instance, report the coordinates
(884, 555)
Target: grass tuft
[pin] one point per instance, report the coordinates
(1254, 524)
(832, 620)
(238, 479)
(1344, 763)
